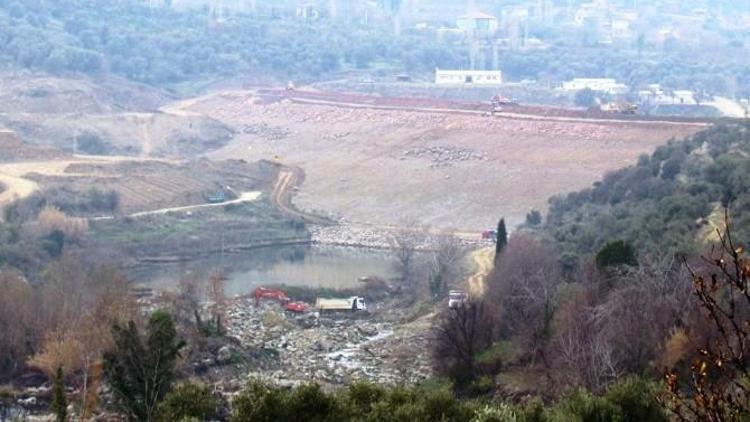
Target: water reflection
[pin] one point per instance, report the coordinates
(314, 266)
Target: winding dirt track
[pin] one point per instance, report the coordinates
(288, 179)
(477, 282)
(244, 197)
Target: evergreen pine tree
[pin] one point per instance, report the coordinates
(502, 237)
(141, 373)
(59, 401)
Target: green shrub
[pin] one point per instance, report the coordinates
(310, 403)
(636, 398)
(500, 413)
(616, 253)
(54, 243)
(188, 401)
(360, 397)
(582, 406)
(534, 218)
(260, 402)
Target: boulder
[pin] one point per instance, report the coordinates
(224, 355)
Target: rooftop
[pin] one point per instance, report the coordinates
(477, 15)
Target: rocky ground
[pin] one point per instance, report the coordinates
(333, 349)
(445, 170)
(380, 237)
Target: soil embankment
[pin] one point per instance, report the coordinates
(379, 161)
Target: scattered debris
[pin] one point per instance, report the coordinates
(267, 132)
(333, 350)
(445, 155)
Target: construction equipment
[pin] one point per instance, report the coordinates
(498, 102)
(620, 107)
(296, 307)
(266, 293)
(216, 197)
(354, 303)
(280, 296)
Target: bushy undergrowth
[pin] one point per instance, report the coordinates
(664, 201)
(631, 400)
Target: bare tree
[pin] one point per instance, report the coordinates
(582, 354)
(218, 299)
(17, 322)
(444, 263)
(460, 334)
(78, 307)
(718, 388)
(186, 306)
(524, 284)
(404, 243)
(648, 303)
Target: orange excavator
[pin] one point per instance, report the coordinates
(281, 297)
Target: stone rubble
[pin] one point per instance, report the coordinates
(267, 132)
(445, 155)
(344, 234)
(328, 349)
(250, 107)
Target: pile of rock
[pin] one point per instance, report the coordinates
(379, 237)
(337, 135)
(333, 350)
(267, 132)
(445, 155)
(347, 235)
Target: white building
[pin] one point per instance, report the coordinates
(655, 95)
(468, 77)
(605, 85)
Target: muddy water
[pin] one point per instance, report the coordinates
(313, 266)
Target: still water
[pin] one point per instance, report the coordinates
(313, 266)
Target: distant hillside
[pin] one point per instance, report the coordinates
(667, 202)
(169, 46)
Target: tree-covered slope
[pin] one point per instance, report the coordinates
(664, 201)
(164, 45)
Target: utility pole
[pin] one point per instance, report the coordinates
(216, 13)
(333, 9)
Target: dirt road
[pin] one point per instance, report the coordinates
(15, 188)
(483, 261)
(504, 115)
(244, 197)
(18, 186)
(288, 180)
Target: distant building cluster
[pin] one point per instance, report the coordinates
(468, 77)
(655, 95)
(601, 85)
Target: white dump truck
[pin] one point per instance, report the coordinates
(354, 303)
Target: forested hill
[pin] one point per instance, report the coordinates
(667, 202)
(164, 45)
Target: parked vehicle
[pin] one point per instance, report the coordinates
(457, 298)
(354, 303)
